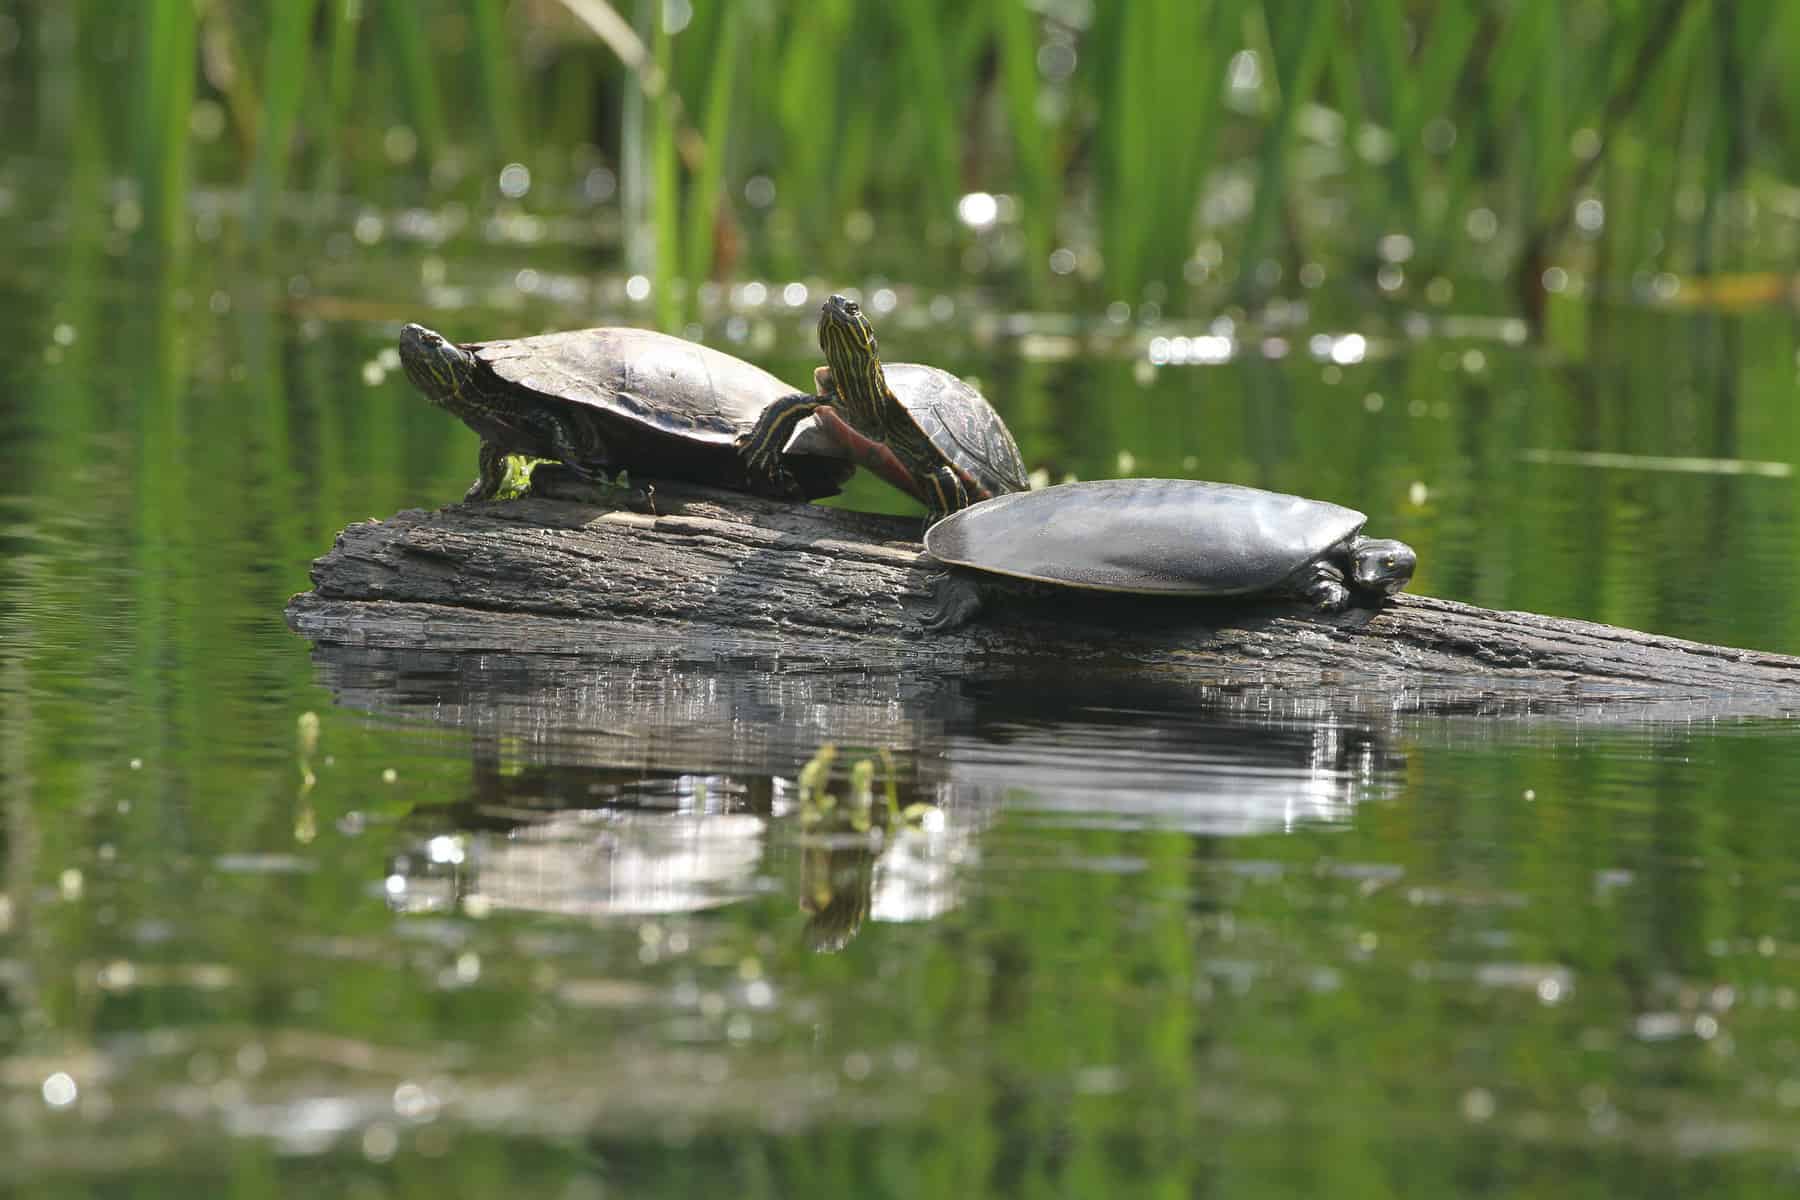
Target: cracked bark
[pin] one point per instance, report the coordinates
(716, 573)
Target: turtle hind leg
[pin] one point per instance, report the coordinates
(1322, 585)
(958, 599)
(578, 450)
(589, 464)
(761, 448)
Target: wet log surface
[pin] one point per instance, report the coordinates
(714, 573)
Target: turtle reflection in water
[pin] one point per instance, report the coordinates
(1165, 537)
(608, 399)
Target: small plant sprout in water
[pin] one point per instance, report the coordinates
(816, 802)
(857, 809)
(837, 865)
(306, 739)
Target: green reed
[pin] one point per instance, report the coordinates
(1115, 128)
(331, 111)
(665, 190)
(499, 73)
(705, 195)
(170, 33)
(283, 80)
(407, 52)
(1037, 157)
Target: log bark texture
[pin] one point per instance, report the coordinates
(720, 573)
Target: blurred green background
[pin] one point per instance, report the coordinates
(1173, 152)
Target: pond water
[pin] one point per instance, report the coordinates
(371, 922)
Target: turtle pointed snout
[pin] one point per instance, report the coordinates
(417, 337)
(435, 366)
(843, 327)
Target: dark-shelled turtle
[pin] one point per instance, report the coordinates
(921, 428)
(1166, 537)
(610, 399)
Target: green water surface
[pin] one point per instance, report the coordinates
(552, 927)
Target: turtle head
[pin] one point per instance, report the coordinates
(437, 366)
(1381, 565)
(848, 341)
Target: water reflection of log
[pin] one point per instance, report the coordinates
(725, 574)
(595, 841)
(586, 862)
(544, 828)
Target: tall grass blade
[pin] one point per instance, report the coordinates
(168, 97)
(499, 79)
(1195, 71)
(934, 101)
(343, 23)
(1300, 36)
(1368, 186)
(408, 46)
(665, 190)
(284, 77)
(1035, 170)
(1160, 75)
(706, 191)
(1387, 34)
(808, 112)
(1124, 147)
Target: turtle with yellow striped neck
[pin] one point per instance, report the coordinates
(920, 428)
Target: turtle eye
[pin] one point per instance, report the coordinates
(1388, 561)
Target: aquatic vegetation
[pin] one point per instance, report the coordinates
(1159, 154)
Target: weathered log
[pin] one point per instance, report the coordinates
(718, 573)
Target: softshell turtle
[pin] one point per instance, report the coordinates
(610, 399)
(921, 428)
(1168, 537)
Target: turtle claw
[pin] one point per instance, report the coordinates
(767, 475)
(1328, 595)
(778, 484)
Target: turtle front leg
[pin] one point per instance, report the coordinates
(492, 472)
(958, 600)
(761, 448)
(945, 492)
(1322, 585)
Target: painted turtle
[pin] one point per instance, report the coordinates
(601, 400)
(920, 428)
(1168, 537)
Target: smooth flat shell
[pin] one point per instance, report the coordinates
(664, 381)
(1168, 536)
